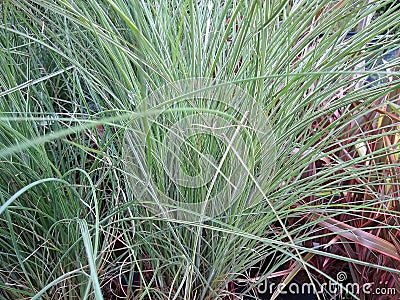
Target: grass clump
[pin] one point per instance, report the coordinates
(98, 108)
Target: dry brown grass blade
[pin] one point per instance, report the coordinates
(388, 144)
(395, 241)
(383, 112)
(356, 235)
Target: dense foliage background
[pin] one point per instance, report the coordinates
(72, 76)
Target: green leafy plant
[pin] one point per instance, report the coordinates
(74, 79)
